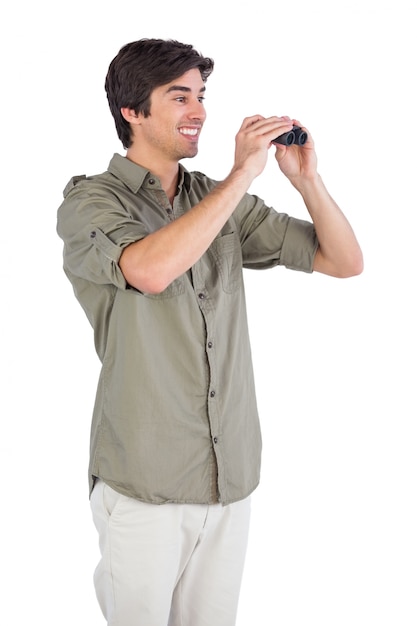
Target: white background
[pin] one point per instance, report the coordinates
(333, 538)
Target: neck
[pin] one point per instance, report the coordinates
(166, 171)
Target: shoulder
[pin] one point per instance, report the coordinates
(83, 185)
(200, 181)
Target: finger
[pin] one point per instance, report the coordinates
(249, 121)
(298, 123)
(273, 126)
(280, 149)
(256, 122)
(278, 127)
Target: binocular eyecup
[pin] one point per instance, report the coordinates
(296, 136)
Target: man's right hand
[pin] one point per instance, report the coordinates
(253, 141)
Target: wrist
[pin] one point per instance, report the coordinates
(307, 185)
(240, 177)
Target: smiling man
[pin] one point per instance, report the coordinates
(155, 254)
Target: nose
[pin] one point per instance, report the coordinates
(197, 110)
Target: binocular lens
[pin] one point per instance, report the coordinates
(296, 135)
(300, 136)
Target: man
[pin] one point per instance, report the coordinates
(155, 255)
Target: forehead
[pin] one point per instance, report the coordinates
(191, 81)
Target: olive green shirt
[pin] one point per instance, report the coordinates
(175, 417)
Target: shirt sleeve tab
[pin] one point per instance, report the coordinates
(72, 182)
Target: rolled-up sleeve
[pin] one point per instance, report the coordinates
(299, 246)
(95, 231)
(269, 238)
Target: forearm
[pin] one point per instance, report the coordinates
(339, 253)
(152, 263)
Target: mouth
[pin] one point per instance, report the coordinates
(192, 132)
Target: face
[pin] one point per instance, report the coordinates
(172, 130)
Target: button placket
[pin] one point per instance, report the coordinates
(206, 307)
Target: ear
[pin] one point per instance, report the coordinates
(131, 116)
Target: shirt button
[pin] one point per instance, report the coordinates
(169, 211)
(93, 234)
(151, 181)
(215, 440)
(212, 394)
(210, 344)
(201, 296)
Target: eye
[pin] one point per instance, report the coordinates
(201, 99)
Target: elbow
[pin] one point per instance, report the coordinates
(352, 266)
(154, 286)
(356, 264)
(150, 282)
(345, 266)
(141, 276)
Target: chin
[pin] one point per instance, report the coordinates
(193, 152)
(189, 155)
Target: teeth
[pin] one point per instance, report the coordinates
(188, 131)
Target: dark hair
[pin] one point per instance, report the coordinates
(139, 68)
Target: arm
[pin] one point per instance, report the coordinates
(339, 253)
(152, 263)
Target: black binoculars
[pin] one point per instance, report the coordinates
(296, 136)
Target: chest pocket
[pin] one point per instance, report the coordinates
(227, 255)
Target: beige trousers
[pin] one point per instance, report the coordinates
(169, 564)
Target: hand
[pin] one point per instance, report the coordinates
(297, 162)
(254, 139)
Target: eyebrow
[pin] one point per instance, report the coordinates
(182, 88)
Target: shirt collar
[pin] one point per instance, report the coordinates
(134, 176)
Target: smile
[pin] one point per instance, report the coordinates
(192, 132)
